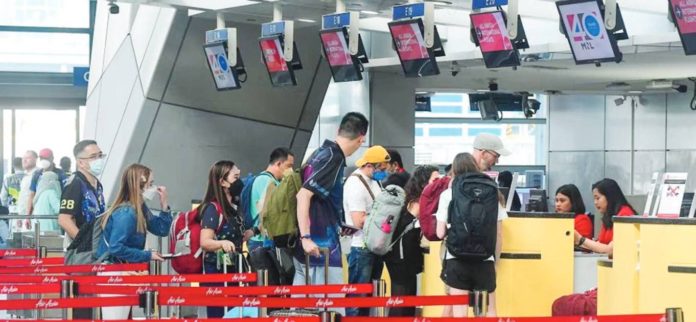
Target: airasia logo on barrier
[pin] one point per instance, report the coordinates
(41, 304)
(392, 301)
(251, 302)
(10, 253)
(283, 320)
(178, 279)
(324, 303)
(114, 280)
(349, 289)
(238, 277)
(142, 290)
(35, 262)
(40, 270)
(281, 290)
(50, 279)
(175, 301)
(8, 289)
(98, 268)
(213, 291)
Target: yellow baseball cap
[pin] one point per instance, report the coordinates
(374, 154)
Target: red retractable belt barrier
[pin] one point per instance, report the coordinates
(30, 289)
(221, 291)
(47, 304)
(17, 252)
(133, 279)
(401, 301)
(74, 269)
(19, 262)
(606, 318)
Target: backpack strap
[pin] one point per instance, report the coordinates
(367, 186)
(218, 209)
(408, 228)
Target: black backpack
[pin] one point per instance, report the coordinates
(473, 217)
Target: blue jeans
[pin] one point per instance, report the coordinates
(363, 267)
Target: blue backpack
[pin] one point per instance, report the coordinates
(245, 199)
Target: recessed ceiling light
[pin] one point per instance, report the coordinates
(306, 20)
(369, 12)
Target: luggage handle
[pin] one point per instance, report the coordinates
(326, 252)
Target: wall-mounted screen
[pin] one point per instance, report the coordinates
(224, 75)
(344, 66)
(583, 24)
(492, 36)
(684, 14)
(279, 71)
(416, 58)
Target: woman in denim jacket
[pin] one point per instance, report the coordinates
(125, 226)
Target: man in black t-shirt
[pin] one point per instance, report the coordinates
(83, 197)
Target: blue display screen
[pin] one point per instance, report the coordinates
(408, 11)
(478, 4)
(337, 20)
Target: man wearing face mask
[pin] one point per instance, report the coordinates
(488, 148)
(45, 165)
(82, 199)
(359, 193)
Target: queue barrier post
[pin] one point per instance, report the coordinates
(148, 302)
(329, 316)
(155, 268)
(261, 280)
(674, 314)
(37, 238)
(478, 300)
(379, 289)
(67, 290)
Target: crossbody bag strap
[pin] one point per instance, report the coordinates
(367, 186)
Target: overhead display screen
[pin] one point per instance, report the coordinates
(416, 58)
(492, 36)
(344, 66)
(224, 75)
(583, 25)
(684, 14)
(278, 70)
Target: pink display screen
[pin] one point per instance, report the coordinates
(685, 14)
(491, 32)
(336, 48)
(273, 55)
(409, 41)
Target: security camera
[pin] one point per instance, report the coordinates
(619, 101)
(493, 86)
(530, 106)
(455, 69)
(113, 7)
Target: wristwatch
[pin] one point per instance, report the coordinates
(581, 241)
(306, 236)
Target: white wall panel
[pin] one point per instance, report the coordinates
(650, 123)
(576, 123)
(142, 30)
(96, 66)
(618, 167)
(92, 112)
(118, 29)
(579, 168)
(683, 161)
(618, 124)
(162, 50)
(645, 164)
(680, 121)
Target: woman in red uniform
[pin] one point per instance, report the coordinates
(609, 201)
(569, 200)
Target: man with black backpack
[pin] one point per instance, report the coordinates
(359, 191)
(82, 199)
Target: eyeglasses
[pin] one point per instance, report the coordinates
(94, 156)
(493, 153)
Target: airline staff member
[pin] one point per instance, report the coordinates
(569, 200)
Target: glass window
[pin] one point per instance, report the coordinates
(45, 13)
(7, 140)
(38, 129)
(43, 52)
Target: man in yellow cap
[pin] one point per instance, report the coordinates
(359, 193)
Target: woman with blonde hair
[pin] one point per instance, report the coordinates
(126, 223)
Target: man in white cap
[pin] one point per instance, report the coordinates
(488, 148)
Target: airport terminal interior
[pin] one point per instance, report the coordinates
(325, 160)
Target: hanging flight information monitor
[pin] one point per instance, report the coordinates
(344, 66)
(684, 15)
(279, 70)
(491, 35)
(583, 25)
(415, 38)
(224, 75)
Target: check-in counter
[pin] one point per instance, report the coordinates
(536, 265)
(585, 271)
(656, 257)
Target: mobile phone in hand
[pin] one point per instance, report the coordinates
(348, 230)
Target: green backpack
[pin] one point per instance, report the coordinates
(280, 211)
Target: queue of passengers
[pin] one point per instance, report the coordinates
(331, 213)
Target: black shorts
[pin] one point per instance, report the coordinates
(469, 275)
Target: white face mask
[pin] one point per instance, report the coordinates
(44, 164)
(150, 193)
(96, 167)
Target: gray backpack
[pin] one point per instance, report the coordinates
(381, 222)
(83, 249)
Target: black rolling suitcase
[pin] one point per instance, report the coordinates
(304, 312)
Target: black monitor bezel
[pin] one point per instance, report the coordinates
(687, 51)
(423, 61)
(273, 76)
(235, 75)
(618, 56)
(490, 57)
(354, 68)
